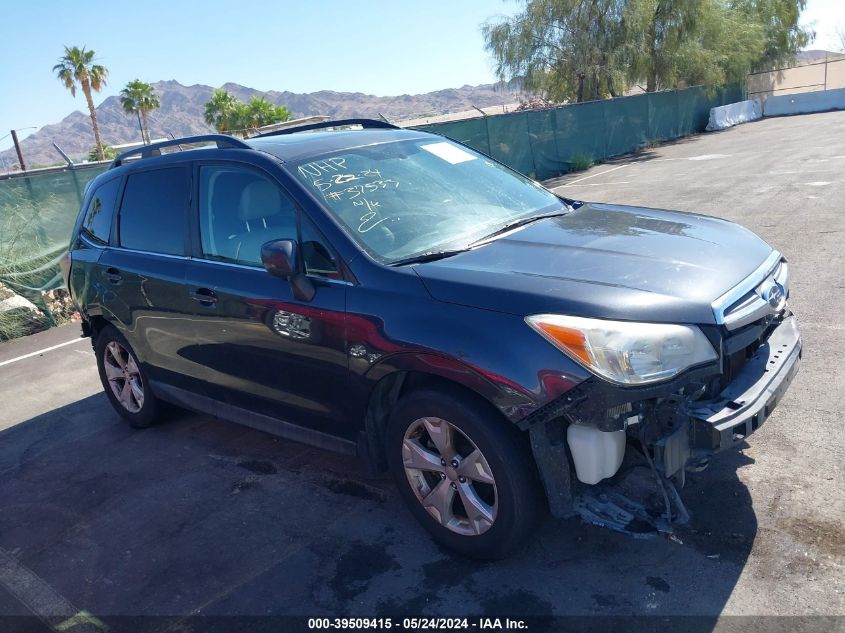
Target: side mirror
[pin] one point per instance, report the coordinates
(279, 258)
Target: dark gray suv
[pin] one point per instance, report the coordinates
(392, 294)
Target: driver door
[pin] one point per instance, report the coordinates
(261, 350)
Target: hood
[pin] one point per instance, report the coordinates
(604, 261)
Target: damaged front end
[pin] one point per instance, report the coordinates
(631, 447)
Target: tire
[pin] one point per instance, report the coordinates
(137, 405)
(503, 512)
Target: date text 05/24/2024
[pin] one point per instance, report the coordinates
(419, 624)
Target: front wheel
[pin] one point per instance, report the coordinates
(123, 379)
(465, 474)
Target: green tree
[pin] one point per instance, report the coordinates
(710, 41)
(783, 35)
(76, 67)
(220, 109)
(227, 114)
(108, 153)
(658, 32)
(564, 49)
(676, 42)
(259, 112)
(139, 97)
(577, 49)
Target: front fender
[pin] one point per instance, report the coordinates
(494, 354)
(507, 396)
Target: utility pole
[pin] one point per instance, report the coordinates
(18, 150)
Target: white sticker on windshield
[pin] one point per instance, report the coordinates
(448, 152)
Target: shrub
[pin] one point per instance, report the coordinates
(580, 162)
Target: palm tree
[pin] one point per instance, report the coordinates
(139, 97)
(76, 66)
(220, 109)
(263, 112)
(255, 114)
(227, 114)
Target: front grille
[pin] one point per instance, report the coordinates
(761, 294)
(741, 344)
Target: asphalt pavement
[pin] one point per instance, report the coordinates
(201, 516)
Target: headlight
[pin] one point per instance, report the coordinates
(625, 352)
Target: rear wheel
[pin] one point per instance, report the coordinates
(464, 473)
(123, 379)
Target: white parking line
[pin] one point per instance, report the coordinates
(42, 600)
(598, 184)
(41, 351)
(601, 173)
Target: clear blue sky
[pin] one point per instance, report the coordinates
(382, 48)
(385, 48)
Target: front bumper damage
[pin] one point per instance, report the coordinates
(752, 395)
(671, 429)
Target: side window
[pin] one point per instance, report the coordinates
(319, 258)
(98, 216)
(152, 215)
(240, 210)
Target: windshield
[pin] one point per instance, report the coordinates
(411, 198)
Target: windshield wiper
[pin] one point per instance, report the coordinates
(435, 255)
(427, 257)
(517, 223)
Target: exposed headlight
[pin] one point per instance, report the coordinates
(625, 352)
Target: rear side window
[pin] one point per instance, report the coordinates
(98, 216)
(152, 215)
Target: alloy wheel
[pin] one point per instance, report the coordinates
(450, 476)
(124, 377)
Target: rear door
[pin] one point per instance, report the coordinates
(84, 277)
(144, 271)
(261, 348)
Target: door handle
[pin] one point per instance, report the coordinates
(204, 296)
(112, 275)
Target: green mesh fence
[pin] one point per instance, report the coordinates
(545, 143)
(37, 213)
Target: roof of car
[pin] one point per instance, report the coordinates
(290, 146)
(296, 147)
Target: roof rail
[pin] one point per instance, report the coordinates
(146, 151)
(364, 123)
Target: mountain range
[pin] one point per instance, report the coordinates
(181, 114)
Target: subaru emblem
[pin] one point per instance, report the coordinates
(774, 295)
